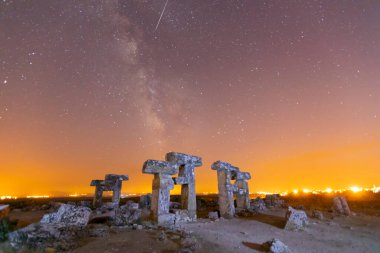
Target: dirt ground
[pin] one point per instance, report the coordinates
(355, 234)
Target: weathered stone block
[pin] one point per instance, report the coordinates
(69, 215)
(296, 219)
(182, 159)
(159, 167)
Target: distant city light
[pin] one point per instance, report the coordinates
(356, 189)
(306, 191)
(328, 190)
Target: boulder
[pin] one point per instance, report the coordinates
(296, 219)
(258, 205)
(340, 206)
(145, 201)
(213, 215)
(316, 214)
(68, 215)
(39, 236)
(276, 246)
(125, 215)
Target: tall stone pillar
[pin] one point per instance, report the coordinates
(225, 172)
(242, 191)
(186, 178)
(162, 184)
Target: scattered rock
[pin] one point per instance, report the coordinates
(126, 215)
(69, 215)
(340, 206)
(213, 215)
(258, 205)
(276, 246)
(316, 214)
(295, 219)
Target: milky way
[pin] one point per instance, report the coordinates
(288, 90)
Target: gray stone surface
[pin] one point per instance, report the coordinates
(112, 182)
(68, 215)
(296, 219)
(340, 206)
(186, 178)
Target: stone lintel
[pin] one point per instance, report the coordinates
(220, 165)
(96, 182)
(114, 177)
(182, 159)
(159, 167)
(243, 176)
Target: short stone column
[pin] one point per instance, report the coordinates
(242, 191)
(162, 184)
(112, 182)
(186, 178)
(225, 172)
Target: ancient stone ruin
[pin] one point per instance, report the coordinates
(186, 178)
(161, 186)
(176, 163)
(226, 189)
(112, 182)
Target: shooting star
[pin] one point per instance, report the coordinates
(162, 13)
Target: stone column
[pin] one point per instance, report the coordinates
(162, 184)
(242, 193)
(225, 172)
(186, 178)
(97, 202)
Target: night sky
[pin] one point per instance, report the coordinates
(287, 90)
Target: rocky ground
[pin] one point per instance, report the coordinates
(326, 231)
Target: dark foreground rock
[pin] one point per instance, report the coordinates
(39, 236)
(258, 205)
(4, 222)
